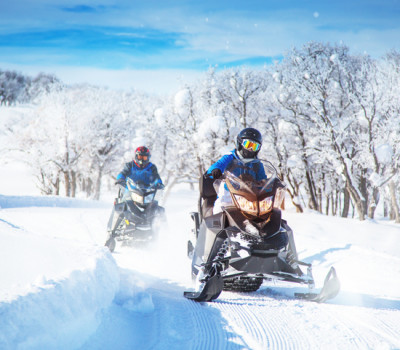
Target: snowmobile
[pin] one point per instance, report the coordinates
(136, 216)
(248, 241)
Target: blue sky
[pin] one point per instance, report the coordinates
(130, 43)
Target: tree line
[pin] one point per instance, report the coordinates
(330, 122)
(18, 88)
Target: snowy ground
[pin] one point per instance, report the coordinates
(61, 289)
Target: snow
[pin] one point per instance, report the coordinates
(293, 161)
(52, 289)
(213, 125)
(60, 288)
(384, 153)
(182, 97)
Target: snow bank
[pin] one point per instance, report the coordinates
(61, 309)
(48, 201)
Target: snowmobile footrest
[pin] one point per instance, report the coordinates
(211, 290)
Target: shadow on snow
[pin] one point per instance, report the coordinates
(151, 313)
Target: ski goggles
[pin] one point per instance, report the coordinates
(142, 157)
(251, 145)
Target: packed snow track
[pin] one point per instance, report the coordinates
(62, 289)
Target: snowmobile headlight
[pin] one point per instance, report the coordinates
(136, 197)
(149, 198)
(245, 205)
(266, 205)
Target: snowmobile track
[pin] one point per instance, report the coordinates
(258, 329)
(255, 318)
(209, 333)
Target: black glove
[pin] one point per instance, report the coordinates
(216, 173)
(121, 182)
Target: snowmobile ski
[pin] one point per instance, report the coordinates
(111, 244)
(211, 290)
(329, 290)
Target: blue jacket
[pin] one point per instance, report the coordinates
(147, 175)
(255, 166)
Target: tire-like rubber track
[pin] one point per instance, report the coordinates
(242, 284)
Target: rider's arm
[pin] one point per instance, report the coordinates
(221, 163)
(155, 177)
(125, 171)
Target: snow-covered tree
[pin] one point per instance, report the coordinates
(329, 120)
(13, 87)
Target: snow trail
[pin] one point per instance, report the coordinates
(61, 289)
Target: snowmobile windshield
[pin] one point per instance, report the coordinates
(139, 186)
(142, 193)
(254, 186)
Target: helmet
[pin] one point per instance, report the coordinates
(248, 142)
(142, 156)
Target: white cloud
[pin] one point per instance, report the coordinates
(202, 38)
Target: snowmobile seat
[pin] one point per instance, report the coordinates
(208, 195)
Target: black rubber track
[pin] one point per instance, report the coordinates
(242, 284)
